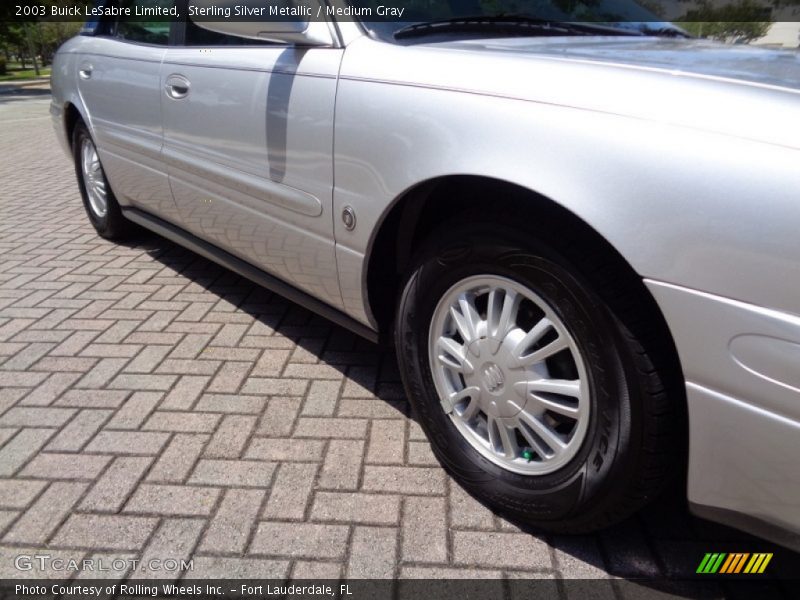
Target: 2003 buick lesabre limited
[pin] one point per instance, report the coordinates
(583, 237)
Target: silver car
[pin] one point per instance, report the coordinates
(582, 239)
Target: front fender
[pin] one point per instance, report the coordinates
(65, 92)
(700, 209)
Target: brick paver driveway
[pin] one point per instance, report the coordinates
(154, 405)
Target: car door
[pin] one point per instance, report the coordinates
(119, 82)
(248, 140)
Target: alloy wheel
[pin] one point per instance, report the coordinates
(509, 374)
(94, 178)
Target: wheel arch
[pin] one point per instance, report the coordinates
(72, 116)
(421, 209)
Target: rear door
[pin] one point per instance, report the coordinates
(119, 81)
(248, 139)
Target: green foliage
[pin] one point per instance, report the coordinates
(654, 6)
(742, 21)
(20, 75)
(22, 37)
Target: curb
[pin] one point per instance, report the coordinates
(26, 82)
(11, 87)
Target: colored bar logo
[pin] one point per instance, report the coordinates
(734, 563)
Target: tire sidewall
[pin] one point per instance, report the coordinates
(591, 471)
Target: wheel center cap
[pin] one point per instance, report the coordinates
(501, 396)
(493, 378)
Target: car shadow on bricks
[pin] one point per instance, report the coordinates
(324, 350)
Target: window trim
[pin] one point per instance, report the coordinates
(105, 23)
(178, 33)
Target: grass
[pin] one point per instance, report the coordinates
(19, 74)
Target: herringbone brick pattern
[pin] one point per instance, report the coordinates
(154, 405)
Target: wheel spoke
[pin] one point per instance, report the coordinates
(536, 333)
(509, 441)
(466, 317)
(547, 435)
(552, 404)
(453, 355)
(557, 386)
(501, 311)
(540, 449)
(472, 409)
(551, 349)
(472, 392)
(502, 438)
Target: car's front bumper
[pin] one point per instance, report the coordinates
(742, 368)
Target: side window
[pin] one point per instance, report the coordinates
(198, 36)
(144, 25)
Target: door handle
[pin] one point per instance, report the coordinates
(85, 71)
(177, 87)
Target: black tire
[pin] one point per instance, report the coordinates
(112, 225)
(632, 445)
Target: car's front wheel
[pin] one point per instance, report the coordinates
(534, 395)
